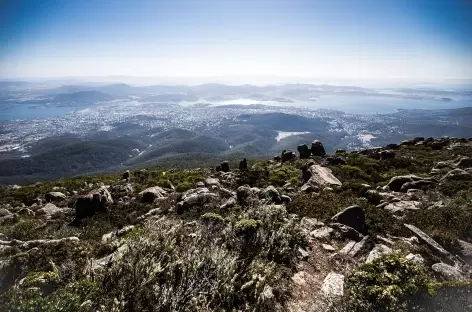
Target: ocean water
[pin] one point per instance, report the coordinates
(19, 111)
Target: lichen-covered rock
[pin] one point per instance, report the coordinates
(322, 177)
(272, 194)
(195, 198)
(50, 211)
(333, 285)
(378, 251)
(447, 272)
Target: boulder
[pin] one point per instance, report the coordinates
(355, 249)
(400, 207)
(333, 285)
(54, 196)
(415, 258)
(272, 194)
(420, 185)
(126, 175)
(230, 203)
(397, 182)
(347, 231)
(447, 272)
(243, 165)
(322, 177)
(4, 212)
(304, 151)
(352, 216)
(288, 156)
(456, 175)
(95, 201)
(243, 194)
(465, 251)
(9, 219)
(151, 193)
(317, 149)
(431, 243)
(195, 198)
(225, 166)
(49, 211)
(211, 182)
(464, 163)
(322, 233)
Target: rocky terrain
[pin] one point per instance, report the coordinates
(380, 229)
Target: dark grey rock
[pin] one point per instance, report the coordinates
(352, 216)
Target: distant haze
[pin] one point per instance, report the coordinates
(258, 40)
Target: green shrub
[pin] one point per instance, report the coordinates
(213, 217)
(385, 284)
(183, 186)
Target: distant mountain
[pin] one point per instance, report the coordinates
(82, 97)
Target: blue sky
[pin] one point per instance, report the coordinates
(204, 38)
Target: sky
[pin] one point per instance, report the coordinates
(355, 39)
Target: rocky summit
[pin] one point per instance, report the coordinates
(381, 229)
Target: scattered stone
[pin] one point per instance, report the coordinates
(333, 285)
(400, 207)
(328, 247)
(115, 234)
(456, 175)
(378, 251)
(355, 249)
(423, 237)
(322, 233)
(9, 219)
(415, 258)
(397, 182)
(420, 185)
(447, 272)
(4, 212)
(465, 251)
(151, 193)
(200, 184)
(285, 199)
(304, 151)
(26, 212)
(352, 216)
(347, 231)
(230, 203)
(317, 149)
(464, 162)
(54, 196)
(49, 211)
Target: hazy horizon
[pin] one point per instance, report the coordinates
(339, 39)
